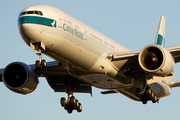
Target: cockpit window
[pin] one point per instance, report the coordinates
(40, 13)
(32, 12)
(36, 12)
(23, 13)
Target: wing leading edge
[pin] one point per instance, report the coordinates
(56, 76)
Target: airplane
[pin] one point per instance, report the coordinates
(83, 57)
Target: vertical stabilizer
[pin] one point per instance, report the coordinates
(160, 37)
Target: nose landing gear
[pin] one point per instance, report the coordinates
(40, 61)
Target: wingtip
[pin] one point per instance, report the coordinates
(162, 17)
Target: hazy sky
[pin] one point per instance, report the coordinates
(131, 23)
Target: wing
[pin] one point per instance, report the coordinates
(129, 61)
(56, 76)
(124, 60)
(150, 58)
(132, 57)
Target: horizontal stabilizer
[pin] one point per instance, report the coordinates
(157, 78)
(174, 84)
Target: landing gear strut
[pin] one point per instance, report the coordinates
(146, 95)
(71, 104)
(40, 61)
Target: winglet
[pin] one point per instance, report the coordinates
(160, 37)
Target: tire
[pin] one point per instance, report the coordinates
(152, 95)
(65, 107)
(63, 100)
(72, 101)
(76, 105)
(154, 99)
(138, 92)
(144, 102)
(38, 64)
(43, 63)
(79, 109)
(148, 92)
(69, 111)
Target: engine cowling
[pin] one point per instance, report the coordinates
(20, 78)
(156, 60)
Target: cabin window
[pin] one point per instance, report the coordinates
(76, 26)
(67, 21)
(105, 43)
(96, 37)
(112, 46)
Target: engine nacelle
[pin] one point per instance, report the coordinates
(156, 60)
(20, 78)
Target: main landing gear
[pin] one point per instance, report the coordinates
(146, 95)
(71, 104)
(40, 62)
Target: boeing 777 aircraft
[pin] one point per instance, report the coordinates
(85, 58)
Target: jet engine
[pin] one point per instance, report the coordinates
(20, 78)
(156, 60)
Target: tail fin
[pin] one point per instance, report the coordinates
(160, 37)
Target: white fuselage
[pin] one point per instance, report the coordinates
(73, 43)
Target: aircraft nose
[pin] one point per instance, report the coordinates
(26, 28)
(22, 21)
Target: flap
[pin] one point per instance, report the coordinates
(122, 55)
(124, 60)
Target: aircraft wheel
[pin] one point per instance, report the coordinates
(138, 92)
(144, 101)
(65, 107)
(63, 100)
(154, 99)
(151, 95)
(69, 111)
(38, 64)
(79, 109)
(72, 100)
(43, 63)
(76, 105)
(148, 92)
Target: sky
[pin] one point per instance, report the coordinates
(132, 23)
